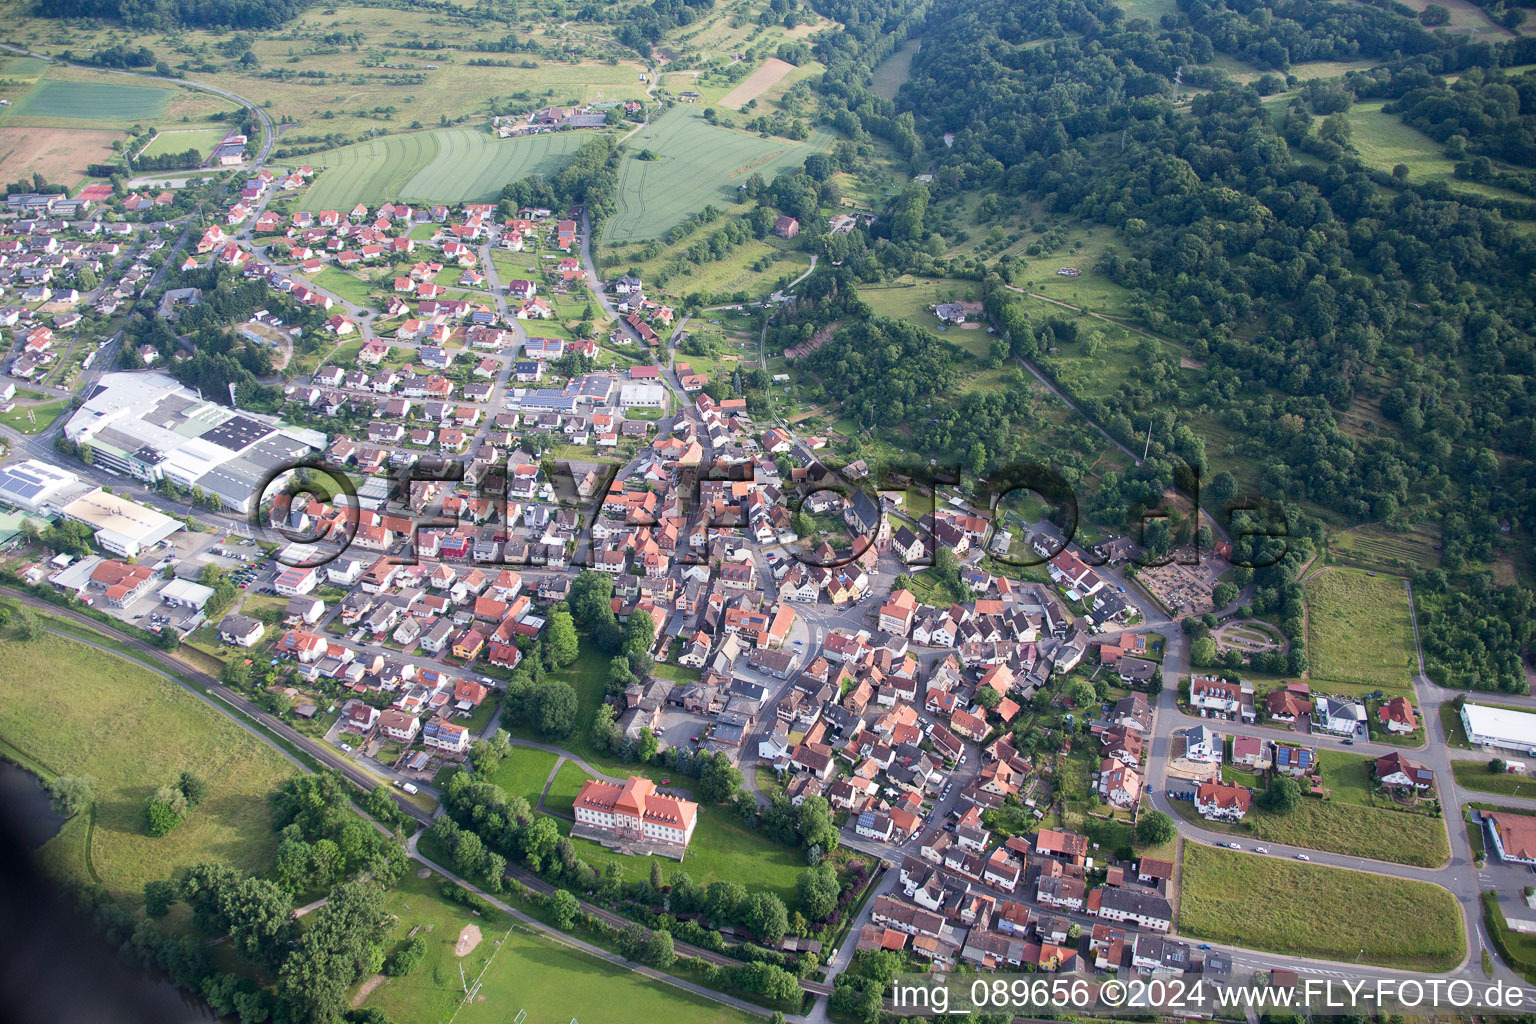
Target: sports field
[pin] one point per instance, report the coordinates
(516, 969)
(69, 708)
(697, 164)
(450, 165)
(92, 101)
(180, 140)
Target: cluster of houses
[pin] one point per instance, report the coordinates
(44, 249)
(1013, 908)
(1217, 800)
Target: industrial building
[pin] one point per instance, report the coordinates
(35, 486)
(122, 527)
(1499, 727)
(147, 426)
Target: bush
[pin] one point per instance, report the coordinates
(166, 809)
(406, 958)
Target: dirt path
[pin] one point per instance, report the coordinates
(366, 989)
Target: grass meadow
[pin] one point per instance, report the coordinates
(72, 709)
(1315, 911)
(450, 165)
(697, 164)
(1359, 629)
(524, 773)
(1384, 141)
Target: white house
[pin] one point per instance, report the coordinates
(1202, 744)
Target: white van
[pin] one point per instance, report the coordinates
(410, 787)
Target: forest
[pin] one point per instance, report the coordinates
(162, 15)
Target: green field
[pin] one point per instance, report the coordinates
(1315, 911)
(524, 773)
(92, 101)
(1359, 630)
(348, 285)
(450, 165)
(518, 969)
(1375, 547)
(71, 709)
(180, 140)
(1475, 775)
(697, 164)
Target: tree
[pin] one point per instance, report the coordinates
(718, 778)
(1224, 594)
(28, 624)
(1155, 828)
(1081, 693)
(632, 940)
(648, 745)
(339, 947)
(292, 864)
(165, 809)
(768, 919)
(639, 633)
(816, 890)
(560, 637)
(723, 902)
(659, 949)
(1283, 796)
(1498, 766)
(563, 908)
(551, 707)
(988, 698)
(193, 788)
(469, 854)
(159, 895)
(71, 794)
(1202, 652)
(815, 825)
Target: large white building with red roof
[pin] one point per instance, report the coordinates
(633, 810)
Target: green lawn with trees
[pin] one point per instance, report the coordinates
(133, 732)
